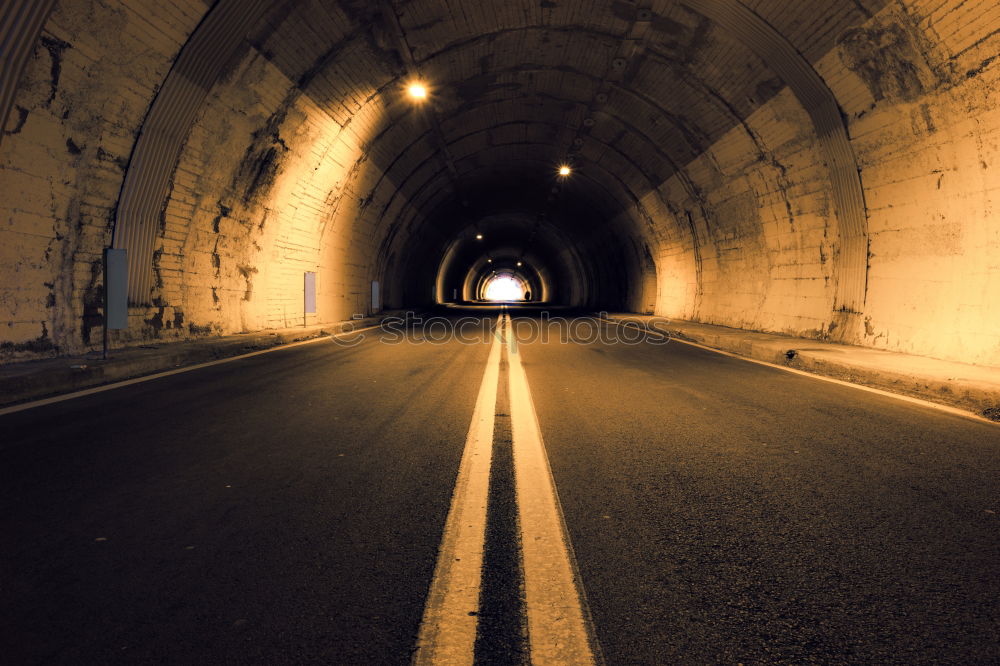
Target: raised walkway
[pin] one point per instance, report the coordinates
(31, 380)
(973, 388)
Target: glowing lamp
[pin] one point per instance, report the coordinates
(417, 90)
(564, 170)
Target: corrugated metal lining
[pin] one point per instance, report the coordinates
(165, 130)
(819, 101)
(225, 26)
(21, 22)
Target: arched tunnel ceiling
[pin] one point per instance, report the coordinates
(713, 174)
(628, 93)
(631, 95)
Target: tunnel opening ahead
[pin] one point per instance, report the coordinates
(505, 287)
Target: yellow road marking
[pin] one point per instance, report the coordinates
(559, 629)
(448, 629)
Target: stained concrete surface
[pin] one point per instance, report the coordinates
(699, 191)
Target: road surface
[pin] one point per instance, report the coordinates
(294, 507)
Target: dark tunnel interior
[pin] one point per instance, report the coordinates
(499, 332)
(755, 164)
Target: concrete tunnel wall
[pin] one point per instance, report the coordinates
(704, 185)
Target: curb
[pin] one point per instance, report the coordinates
(51, 377)
(953, 392)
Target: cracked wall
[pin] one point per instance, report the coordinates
(704, 191)
(917, 84)
(927, 134)
(760, 234)
(258, 199)
(76, 114)
(270, 184)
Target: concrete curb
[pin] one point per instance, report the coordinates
(31, 380)
(947, 387)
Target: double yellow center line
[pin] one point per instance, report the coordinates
(555, 612)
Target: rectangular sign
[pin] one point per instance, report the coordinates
(375, 297)
(310, 287)
(116, 289)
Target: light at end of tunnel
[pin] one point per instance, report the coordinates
(479, 237)
(417, 90)
(504, 288)
(564, 170)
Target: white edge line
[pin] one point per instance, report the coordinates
(167, 373)
(805, 373)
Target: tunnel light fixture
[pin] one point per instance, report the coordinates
(417, 91)
(489, 261)
(479, 237)
(564, 170)
(520, 263)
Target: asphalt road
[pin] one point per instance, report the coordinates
(285, 508)
(725, 512)
(288, 508)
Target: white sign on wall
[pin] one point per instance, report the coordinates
(310, 289)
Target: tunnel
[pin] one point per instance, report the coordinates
(806, 185)
(821, 170)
